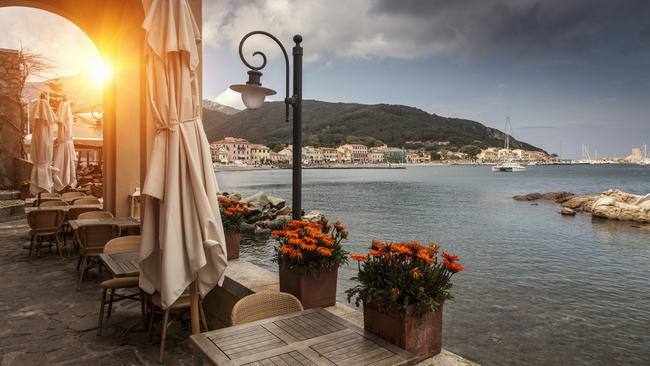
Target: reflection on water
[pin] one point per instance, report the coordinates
(540, 288)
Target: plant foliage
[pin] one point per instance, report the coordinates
(398, 275)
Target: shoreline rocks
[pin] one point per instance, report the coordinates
(612, 204)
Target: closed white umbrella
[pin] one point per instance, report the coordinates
(182, 233)
(64, 154)
(42, 120)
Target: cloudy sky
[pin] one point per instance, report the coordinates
(570, 72)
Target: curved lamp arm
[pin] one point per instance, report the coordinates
(288, 101)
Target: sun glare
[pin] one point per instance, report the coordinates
(99, 72)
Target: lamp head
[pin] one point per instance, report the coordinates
(253, 93)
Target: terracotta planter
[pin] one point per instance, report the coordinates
(420, 335)
(24, 192)
(313, 291)
(233, 238)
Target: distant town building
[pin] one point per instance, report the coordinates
(358, 152)
(238, 150)
(376, 155)
(394, 155)
(330, 155)
(286, 154)
(260, 154)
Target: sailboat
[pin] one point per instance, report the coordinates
(508, 165)
(646, 160)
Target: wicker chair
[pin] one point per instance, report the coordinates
(86, 201)
(73, 214)
(264, 305)
(44, 224)
(175, 311)
(52, 203)
(92, 239)
(120, 245)
(95, 215)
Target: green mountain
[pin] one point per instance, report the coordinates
(333, 124)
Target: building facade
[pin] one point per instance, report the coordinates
(238, 150)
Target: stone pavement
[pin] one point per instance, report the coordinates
(47, 321)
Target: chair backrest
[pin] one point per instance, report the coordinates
(95, 237)
(45, 220)
(73, 194)
(95, 215)
(52, 203)
(86, 201)
(264, 305)
(74, 212)
(123, 244)
(50, 195)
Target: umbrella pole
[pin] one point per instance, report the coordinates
(194, 307)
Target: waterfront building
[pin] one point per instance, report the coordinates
(260, 154)
(394, 155)
(286, 154)
(313, 155)
(358, 152)
(376, 155)
(238, 150)
(218, 154)
(344, 155)
(330, 155)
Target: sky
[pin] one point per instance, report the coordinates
(568, 72)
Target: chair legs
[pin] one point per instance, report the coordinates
(163, 336)
(101, 312)
(82, 270)
(110, 303)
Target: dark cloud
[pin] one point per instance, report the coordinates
(522, 26)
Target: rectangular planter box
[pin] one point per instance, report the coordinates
(313, 291)
(420, 335)
(233, 239)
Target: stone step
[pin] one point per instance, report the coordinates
(12, 210)
(9, 195)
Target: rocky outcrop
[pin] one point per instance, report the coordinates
(266, 213)
(558, 197)
(612, 204)
(616, 205)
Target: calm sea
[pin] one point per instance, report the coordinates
(539, 288)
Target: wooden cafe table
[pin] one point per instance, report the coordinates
(121, 264)
(310, 337)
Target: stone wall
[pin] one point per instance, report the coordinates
(10, 134)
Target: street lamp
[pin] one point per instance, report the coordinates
(253, 95)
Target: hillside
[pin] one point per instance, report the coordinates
(332, 124)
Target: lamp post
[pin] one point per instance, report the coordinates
(253, 95)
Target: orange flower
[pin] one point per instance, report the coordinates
(415, 272)
(296, 254)
(394, 293)
(453, 267)
(324, 252)
(375, 253)
(308, 247)
(401, 249)
(425, 257)
(359, 257)
(449, 257)
(285, 249)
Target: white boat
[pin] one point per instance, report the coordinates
(509, 166)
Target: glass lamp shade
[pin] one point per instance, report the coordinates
(252, 95)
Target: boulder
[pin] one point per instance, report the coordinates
(234, 196)
(580, 203)
(246, 228)
(558, 197)
(261, 231)
(279, 222)
(314, 216)
(567, 211)
(286, 210)
(258, 199)
(277, 202)
(529, 197)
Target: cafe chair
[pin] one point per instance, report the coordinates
(92, 239)
(264, 305)
(86, 201)
(44, 224)
(73, 214)
(179, 308)
(109, 287)
(95, 215)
